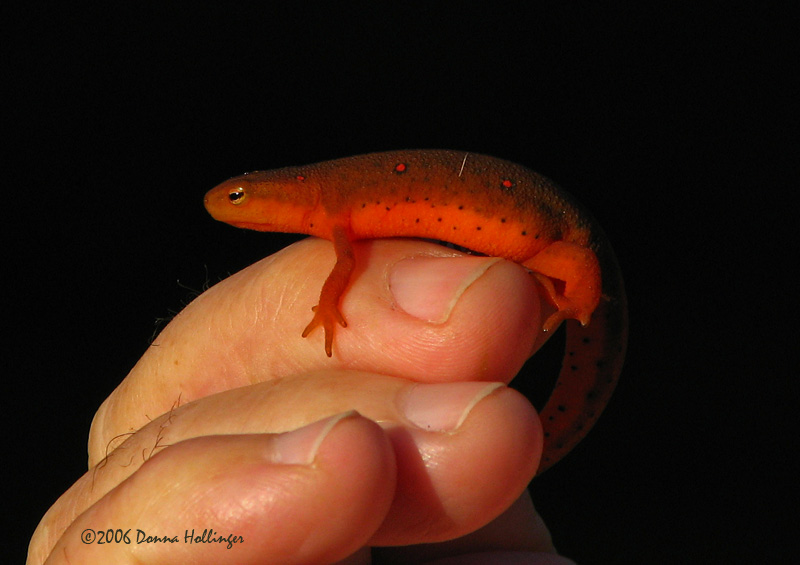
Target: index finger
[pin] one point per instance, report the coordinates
(414, 310)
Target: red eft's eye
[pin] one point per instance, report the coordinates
(237, 195)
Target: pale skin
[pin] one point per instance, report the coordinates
(406, 436)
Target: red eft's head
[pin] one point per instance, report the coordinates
(280, 200)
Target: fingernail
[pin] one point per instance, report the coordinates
(429, 287)
(443, 407)
(300, 447)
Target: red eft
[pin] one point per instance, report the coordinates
(481, 203)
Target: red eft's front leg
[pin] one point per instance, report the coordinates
(326, 313)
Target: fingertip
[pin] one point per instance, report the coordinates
(428, 288)
(432, 314)
(473, 467)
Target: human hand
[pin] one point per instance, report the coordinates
(232, 422)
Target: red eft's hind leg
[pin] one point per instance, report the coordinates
(572, 278)
(578, 269)
(592, 362)
(326, 313)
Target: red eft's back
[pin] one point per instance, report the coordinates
(484, 204)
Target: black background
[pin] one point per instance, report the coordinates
(669, 124)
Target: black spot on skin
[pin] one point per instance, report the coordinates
(478, 228)
(438, 219)
(388, 208)
(524, 232)
(562, 408)
(573, 367)
(502, 220)
(586, 340)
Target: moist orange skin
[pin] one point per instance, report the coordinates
(485, 204)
